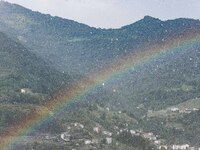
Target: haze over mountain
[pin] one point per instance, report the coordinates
(113, 13)
(23, 69)
(70, 45)
(44, 53)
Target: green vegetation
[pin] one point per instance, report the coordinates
(138, 142)
(23, 69)
(41, 146)
(44, 54)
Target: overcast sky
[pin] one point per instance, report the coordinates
(114, 13)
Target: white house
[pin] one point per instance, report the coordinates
(195, 109)
(65, 136)
(108, 140)
(174, 109)
(107, 133)
(87, 142)
(79, 125)
(157, 142)
(26, 91)
(107, 108)
(180, 147)
(96, 129)
(133, 132)
(163, 147)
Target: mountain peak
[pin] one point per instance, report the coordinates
(146, 21)
(150, 19)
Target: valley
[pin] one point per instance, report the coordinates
(71, 86)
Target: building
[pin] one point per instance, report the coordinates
(108, 140)
(133, 132)
(174, 109)
(180, 147)
(88, 142)
(149, 136)
(163, 147)
(107, 133)
(96, 129)
(195, 109)
(66, 137)
(26, 91)
(157, 142)
(78, 125)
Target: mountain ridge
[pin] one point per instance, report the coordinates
(79, 50)
(146, 18)
(23, 69)
(68, 45)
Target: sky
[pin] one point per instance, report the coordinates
(114, 13)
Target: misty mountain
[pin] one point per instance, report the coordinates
(55, 45)
(70, 45)
(20, 68)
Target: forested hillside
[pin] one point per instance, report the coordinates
(40, 54)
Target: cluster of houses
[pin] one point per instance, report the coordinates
(159, 143)
(182, 110)
(156, 141)
(147, 135)
(74, 133)
(178, 147)
(77, 134)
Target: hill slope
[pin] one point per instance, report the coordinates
(78, 48)
(73, 46)
(20, 68)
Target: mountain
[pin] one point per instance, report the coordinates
(26, 82)
(20, 68)
(52, 38)
(146, 96)
(70, 45)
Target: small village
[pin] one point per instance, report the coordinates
(172, 111)
(77, 134)
(105, 137)
(182, 110)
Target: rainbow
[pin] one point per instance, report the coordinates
(117, 68)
